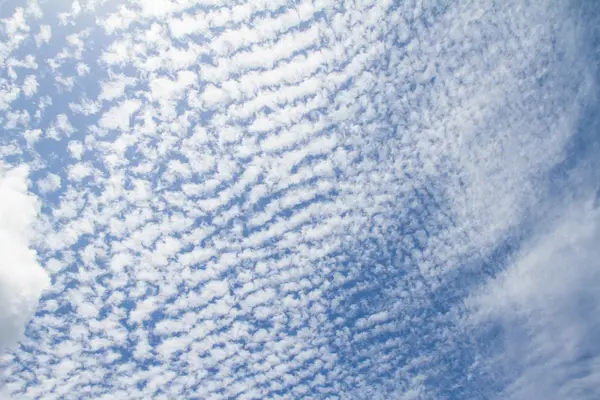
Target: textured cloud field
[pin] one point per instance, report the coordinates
(300, 199)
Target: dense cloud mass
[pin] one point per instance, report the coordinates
(300, 199)
(21, 278)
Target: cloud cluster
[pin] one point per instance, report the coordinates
(311, 199)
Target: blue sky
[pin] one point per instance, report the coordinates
(299, 199)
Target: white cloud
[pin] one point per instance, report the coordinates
(17, 23)
(82, 69)
(44, 35)
(8, 94)
(115, 88)
(30, 86)
(289, 217)
(118, 117)
(49, 184)
(547, 306)
(22, 279)
(60, 128)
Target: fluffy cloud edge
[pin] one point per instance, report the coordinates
(22, 279)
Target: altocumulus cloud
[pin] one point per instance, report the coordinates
(299, 199)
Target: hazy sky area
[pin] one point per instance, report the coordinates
(300, 199)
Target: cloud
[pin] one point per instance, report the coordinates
(30, 85)
(22, 279)
(44, 35)
(546, 306)
(287, 199)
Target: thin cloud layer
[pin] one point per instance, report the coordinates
(545, 306)
(307, 199)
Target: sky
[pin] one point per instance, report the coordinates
(308, 199)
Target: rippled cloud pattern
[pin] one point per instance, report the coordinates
(309, 199)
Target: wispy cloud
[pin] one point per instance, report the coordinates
(545, 305)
